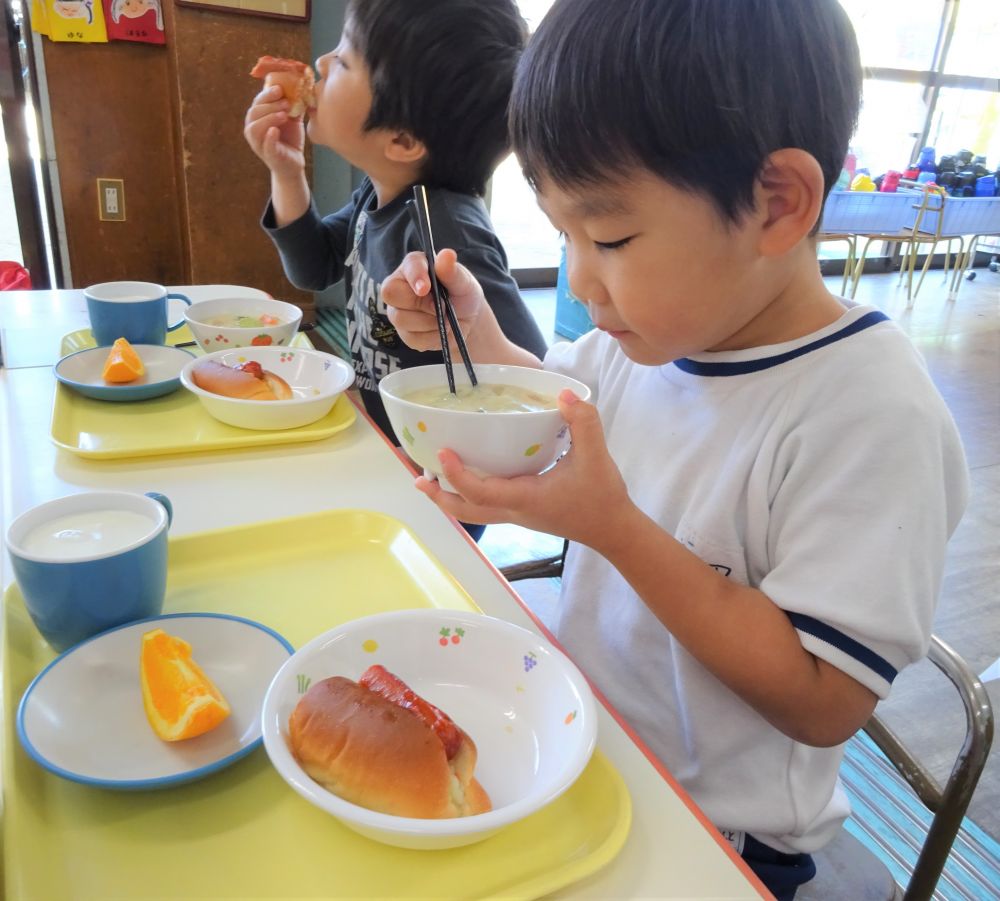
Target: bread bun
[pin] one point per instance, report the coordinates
(380, 755)
(296, 79)
(250, 383)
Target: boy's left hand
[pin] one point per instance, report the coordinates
(579, 498)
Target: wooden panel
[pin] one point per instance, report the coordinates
(111, 119)
(169, 121)
(225, 185)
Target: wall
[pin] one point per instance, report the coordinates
(169, 121)
(333, 178)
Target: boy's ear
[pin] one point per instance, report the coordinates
(789, 199)
(403, 147)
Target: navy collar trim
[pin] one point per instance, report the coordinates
(698, 367)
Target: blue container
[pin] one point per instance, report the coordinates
(572, 319)
(986, 186)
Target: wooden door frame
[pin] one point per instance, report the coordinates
(28, 206)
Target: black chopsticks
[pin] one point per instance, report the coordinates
(420, 213)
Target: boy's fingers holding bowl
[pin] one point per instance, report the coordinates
(582, 418)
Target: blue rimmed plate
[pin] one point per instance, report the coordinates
(82, 717)
(81, 371)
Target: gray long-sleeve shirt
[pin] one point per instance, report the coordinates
(365, 245)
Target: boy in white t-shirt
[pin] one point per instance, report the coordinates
(760, 497)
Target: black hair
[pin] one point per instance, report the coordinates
(698, 92)
(442, 70)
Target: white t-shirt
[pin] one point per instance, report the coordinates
(826, 472)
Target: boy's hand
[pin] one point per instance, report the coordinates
(583, 497)
(277, 139)
(410, 303)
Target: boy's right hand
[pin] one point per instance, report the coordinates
(410, 303)
(277, 139)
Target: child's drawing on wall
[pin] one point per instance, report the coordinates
(75, 9)
(135, 9)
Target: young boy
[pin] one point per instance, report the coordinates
(760, 527)
(414, 93)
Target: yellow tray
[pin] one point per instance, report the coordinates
(82, 339)
(173, 424)
(243, 833)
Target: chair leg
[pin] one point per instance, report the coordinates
(923, 271)
(911, 265)
(859, 269)
(967, 257)
(848, 265)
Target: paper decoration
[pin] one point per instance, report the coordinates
(39, 17)
(135, 20)
(81, 21)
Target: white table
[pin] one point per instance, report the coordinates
(671, 851)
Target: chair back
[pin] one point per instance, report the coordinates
(949, 802)
(925, 219)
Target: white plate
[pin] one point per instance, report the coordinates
(82, 717)
(82, 370)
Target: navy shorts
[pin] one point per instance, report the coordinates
(781, 873)
(475, 531)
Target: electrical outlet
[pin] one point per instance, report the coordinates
(111, 199)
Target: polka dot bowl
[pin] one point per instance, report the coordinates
(525, 705)
(203, 317)
(498, 444)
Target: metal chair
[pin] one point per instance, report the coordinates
(839, 862)
(846, 870)
(975, 216)
(921, 224)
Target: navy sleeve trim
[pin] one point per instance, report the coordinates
(696, 367)
(842, 642)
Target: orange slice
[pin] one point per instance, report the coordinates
(123, 363)
(180, 700)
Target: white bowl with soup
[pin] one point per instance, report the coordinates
(224, 323)
(508, 425)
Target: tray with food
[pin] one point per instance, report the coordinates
(165, 418)
(244, 831)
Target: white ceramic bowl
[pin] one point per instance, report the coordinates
(525, 705)
(215, 337)
(498, 444)
(316, 378)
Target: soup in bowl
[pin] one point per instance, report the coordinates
(508, 425)
(224, 323)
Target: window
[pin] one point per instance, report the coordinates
(532, 244)
(932, 77)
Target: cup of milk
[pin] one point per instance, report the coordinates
(136, 311)
(87, 562)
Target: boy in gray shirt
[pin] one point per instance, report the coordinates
(413, 93)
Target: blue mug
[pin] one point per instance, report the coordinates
(136, 311)
(87, 562)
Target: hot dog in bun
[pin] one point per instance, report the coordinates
(248, 381)
(296, 79)
(379, 745)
